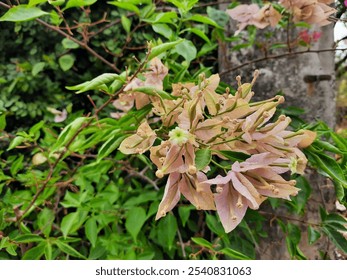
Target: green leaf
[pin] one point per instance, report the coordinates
(203, 242)
(183, 6)
(78, 3)
(2, 122)
(233, 156)
(199, 33)
(35, 2)
(187, 50)
(167, 17)
(154, 92)
(66, 248)
(202, 158)
(111, 144)
(96, 83)
(35, 253)
(126, 23)
(37, 68)
(338, 239)
(66, 62)
(136, 217)
(214, 225)
(48, 251)
(204, 19)
(17, 165)
(328, 165)
(234, 254)
(45, 220)
(313, 235)
(305, 191)
(126, 6)
(163, 29)
(318, 144)
(157, 50)
(335, 219)
(56, 3)
(68, 132)
(184, 213)
(68, 223)
(69, 44)
(167, 229)
(16, 142)
(28, 238)
(22, 13)
(91, 230)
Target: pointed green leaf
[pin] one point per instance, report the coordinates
(167, 228)
(22, 13)
(328, 165)
(187, 50)
(234, 254)
(157, 50)
(91, 230)
(68, 132)
(203, 242)
(16, 142)
(35, 2)
(136, 217)
(154, 92)
(37, 68)
(202, 158)
(79, 3)
(94, 84)
(184, 213)
(35, 253)
(66, 248)
(28, 238)
(204, 19)
(48, 251)
(45, 220)
(313, 235)
(68, 223)
(2, 122)
(234, 156)
(338, 239)
(111, 144)
(126, 6)
(126, 23)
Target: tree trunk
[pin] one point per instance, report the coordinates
(306, 81)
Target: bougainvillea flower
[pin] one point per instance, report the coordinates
(267, 15)
(310, 11)
(198, 118)
(244, 15)
(253, 15)
(231, 206)
(139, 142)
(191, 187)
(171, 195)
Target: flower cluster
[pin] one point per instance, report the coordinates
(198, 118)
(309, 11)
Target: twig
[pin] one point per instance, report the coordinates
(283, 55)
(288, 218)
(181, 244)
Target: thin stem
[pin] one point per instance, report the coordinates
(283, 55)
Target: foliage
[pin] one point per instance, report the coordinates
(67, 192)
